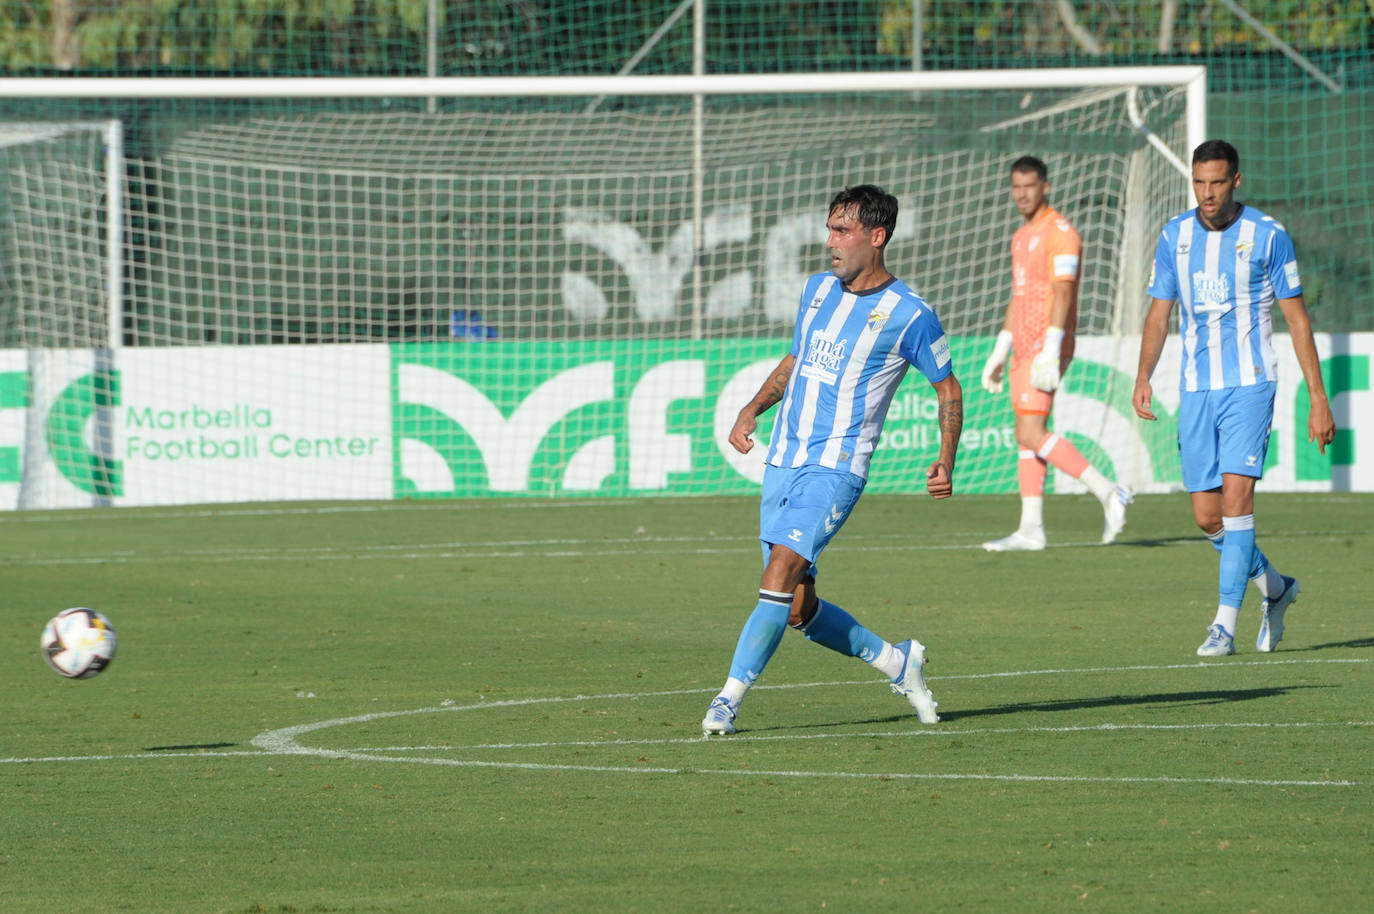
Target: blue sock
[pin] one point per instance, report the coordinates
(760, 636)
(1237, 558)
(1257, 564)
(836, 629)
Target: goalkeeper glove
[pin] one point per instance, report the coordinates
(992, 371)
(1044, 372)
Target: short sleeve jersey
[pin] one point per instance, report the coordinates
(1043, 251)
(1225, 282)
(851, 351)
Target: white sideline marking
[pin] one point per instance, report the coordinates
(284, 741)
(541, 548)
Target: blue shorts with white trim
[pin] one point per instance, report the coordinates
(1224, 431)
(804, 507)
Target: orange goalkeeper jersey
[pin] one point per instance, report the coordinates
(1043, 251)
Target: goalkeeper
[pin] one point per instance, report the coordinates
(1038, 336)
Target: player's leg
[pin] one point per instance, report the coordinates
(759, 638)
(1223, 438)
(1031, 407)
(801, 510)
(904, 663)
(832, 499)
(1244, 422)
(1198, 452)
(1060, 453)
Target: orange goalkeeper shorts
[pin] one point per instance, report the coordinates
(1026, 398)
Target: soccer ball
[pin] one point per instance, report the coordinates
(79, 643)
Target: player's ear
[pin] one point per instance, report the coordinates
(878, 237)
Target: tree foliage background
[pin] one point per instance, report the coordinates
(487, 37)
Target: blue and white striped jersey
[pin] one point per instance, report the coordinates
(1225, 283)
(851, 352)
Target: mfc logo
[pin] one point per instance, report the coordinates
(656, 277)
(627, 435)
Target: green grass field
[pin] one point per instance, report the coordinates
(494, 706)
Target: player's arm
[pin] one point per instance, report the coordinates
(1321, 425)
(771, 392)
(940, 475)
(1152, 337)
(995, 367)
(1046, 366)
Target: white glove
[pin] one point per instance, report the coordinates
(992, 371)
(1044, 372)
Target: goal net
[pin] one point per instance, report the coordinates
(569, 291)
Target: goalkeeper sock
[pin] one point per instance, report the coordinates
(760, 636)
(1030, 474)
(1060, 453)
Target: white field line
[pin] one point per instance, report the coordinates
(86, 516)
(872, 734)
(284, 741)
(546, 548)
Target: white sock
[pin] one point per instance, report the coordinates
(1226, 618)
(734, 691)
(1268, 582)
(1032, 513)
(888, 662)
(1097, 484)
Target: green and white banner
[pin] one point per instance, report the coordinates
(609, 419)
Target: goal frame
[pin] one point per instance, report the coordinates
(1191, 78)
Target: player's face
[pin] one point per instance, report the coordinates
(854, 250)
(1214, 185)
(1028, 192)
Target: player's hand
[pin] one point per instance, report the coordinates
(938, 481)
(1321, 425)
(1140, 398)
(741, 433)
(993, 370)
(1044, 373)
(992, 376)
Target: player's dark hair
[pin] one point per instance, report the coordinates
(875, 207)
(1217, 151)
(1031, 163)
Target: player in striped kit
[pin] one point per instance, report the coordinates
(1038, 335)
(1226, 263)
(858, 329)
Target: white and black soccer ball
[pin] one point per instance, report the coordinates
(79, 642)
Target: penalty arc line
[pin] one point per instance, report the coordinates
(284, 741)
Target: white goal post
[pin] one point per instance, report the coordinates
(640, 238)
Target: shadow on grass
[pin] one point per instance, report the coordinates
(1357, 642)
(1194, 698)
(188, 747)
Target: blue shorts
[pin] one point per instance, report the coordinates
(1224, 431)
(803, 508)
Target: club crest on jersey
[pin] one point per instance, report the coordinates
(1243, 249)
(876, 319)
